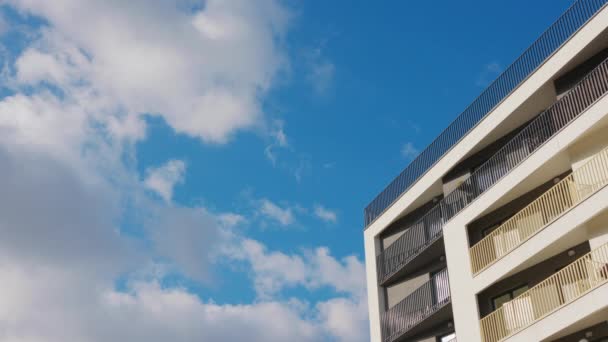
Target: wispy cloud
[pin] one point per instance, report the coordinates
(325, 214)
(321, 71)
(304, 166)
(279, 141)
(488, 74)
(409, 151)
(322, 75)
(329, 165)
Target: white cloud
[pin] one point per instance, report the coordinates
(325, 214)
(163, 179)
(204, 72)
(283, 216)
(409, 151)
(345, 318)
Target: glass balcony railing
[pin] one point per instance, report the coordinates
(546, 125)
(549, 42)
(415, 308)
(566, 194)
(567, 285)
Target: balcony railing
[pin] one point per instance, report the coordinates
(551, 40)
(531, 138)
(572, 282)
(413, 241)
(415, 308)
(570, 191)
(541, 129)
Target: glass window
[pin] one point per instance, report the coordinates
(447, 338)
(486, 231)
(498, 301)
(519, 291)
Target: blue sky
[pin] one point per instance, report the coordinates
(179, 170)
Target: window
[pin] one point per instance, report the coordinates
(498, 301)
(446, 338)
(487, 231)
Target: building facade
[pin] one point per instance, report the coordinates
(498, 230)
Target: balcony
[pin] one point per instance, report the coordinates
(567, 285)
(428, 229)
(420, 311)
(548, 43)
(411, 250)
(572, 190)
(532, 137)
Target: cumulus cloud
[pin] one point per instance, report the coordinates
(164, 178)
(202, 71)
(56, 304)
(325, 214)
(409, 151)
(189, 237)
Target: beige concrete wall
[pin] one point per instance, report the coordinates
(454, 183)
(597, 231)
(389, 240)
(399, 291)
(587, 147)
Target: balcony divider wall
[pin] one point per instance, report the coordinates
(416, 307)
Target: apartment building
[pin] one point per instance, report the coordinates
(498, 230)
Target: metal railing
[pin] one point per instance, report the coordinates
(572, 282)
(419, 305)
(532, 137)
(546, 125)
(533, 57)
(413, 241)
(570, 191)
